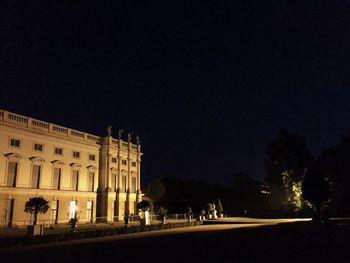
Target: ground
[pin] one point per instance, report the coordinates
(256, 242)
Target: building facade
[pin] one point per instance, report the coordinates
(81, 175)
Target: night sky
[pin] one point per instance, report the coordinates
(206, 85)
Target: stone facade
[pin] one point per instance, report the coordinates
(93, 178)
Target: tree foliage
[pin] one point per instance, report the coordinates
(286, 152)
(334, 163)
(317, 192)
(156, 191)
(293, 191)
(36, 205)
(144, 205)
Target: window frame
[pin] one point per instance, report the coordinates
(92, 159)
(36, 150)
(54, 151)
(59, 178)
(16, 139)
(16, 172)
(38, 180)
(73, 154)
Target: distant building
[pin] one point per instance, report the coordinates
(83, 175)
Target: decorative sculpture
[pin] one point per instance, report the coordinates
(120, 132)
(109, 130)
(138, 140)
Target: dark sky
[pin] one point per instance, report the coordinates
(205, 85)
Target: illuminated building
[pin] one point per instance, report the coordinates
(80, 174)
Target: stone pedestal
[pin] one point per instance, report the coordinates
(35, 230)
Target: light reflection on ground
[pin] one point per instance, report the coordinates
(213, 225)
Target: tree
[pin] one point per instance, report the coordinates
(334, 163)
(36, 205)
(156, 191)
(317, 192)
(287, 152)
(144, 205)
(287, 158)
(244, 184)
(293, 192)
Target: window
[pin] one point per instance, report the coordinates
(76, 154)
(91, 181)
(8, 211)
(38, 147)
(75, 178)
(133, 184)
(36, 170)
(133, 164)
(54, 211)
(114, 181)
(124, 183)
(91, 157)
(56, 178)
(15, 143)
(89, 210)
(123, 162)
(12, 174)
(58, 151)
(72, 209)
(114, 160)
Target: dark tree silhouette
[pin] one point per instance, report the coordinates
(156, 191)
(144, 205)
(243, 183)
(287, 152)
(334, 163)
(317, 191)
(36, 205)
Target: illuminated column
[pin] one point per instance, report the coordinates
(138, 178)
(129, 173)
(139, 168)
(119, 167)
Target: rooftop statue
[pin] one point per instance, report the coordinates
(120, 132)
(109, 130)
(138, 140)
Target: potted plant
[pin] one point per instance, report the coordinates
(34, 206)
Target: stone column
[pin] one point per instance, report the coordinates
(119, 167)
